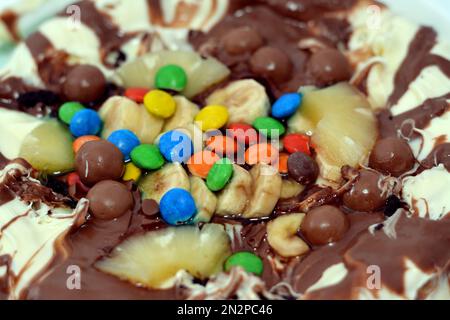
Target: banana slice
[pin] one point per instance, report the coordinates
(266, 190)
(290, 189)
(156, 184)
(282, 235)
(234, 198)
(183, 116)
(246, 100)
(298, 123)
(123, 113)
(205, 200)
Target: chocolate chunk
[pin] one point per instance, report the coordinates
(302, 168)
(329, 66)
(271, 63)
(97, 161)
(150, 207)
(366, 193)
(242, 40)
(392, 156)
(325, 224)
(84, 83)
(109, 200)
(32, 98)
(393, 203)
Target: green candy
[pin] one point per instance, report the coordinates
(147, 156)
(171, 77)
(219, 175)
(248, 261)
(68, 110)
(269, 126)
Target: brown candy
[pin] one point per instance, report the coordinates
(150, 207)
(109, 200)
(97, 161)
(325, 224)
(271, 63)
(242, 40)
(329, 66)
(84, 83)
(392, 156)
(366, 193)
(302, 168)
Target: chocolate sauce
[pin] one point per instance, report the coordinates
(284, 34)
(10, 19)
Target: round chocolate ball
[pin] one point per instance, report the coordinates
(392, 156)
(271, 63)
(302, 168)
(366, 193)
(97, 161)
(109, 199)
(329, 66)
(242, 40)
(325, 224)
(84, 83)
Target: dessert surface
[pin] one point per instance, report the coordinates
(225, 149)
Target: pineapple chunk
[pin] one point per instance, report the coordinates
(153, 259)
(344, 127)
(202, 73)
(48, 148)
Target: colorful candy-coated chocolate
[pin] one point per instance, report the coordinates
(295, 142)
(79, 142)
(132, 173)
(219, 175)
(243, 133)
(201, 162)
(147, 156)
(160, 103)
(270, 127)
(212, 117)
(125, 140)
(222, 145)
(136, 94)
(85, 122)
(176, 146)
(286, 105)
(171, 77)
(248, 261)
(68, 110)
(177, 207)
(261, 153)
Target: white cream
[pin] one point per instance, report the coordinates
(438, 131)
(388, 41)
(330, 277)
(428, 194)
(14, 127)
(22, 65)
(431, 83)
(30, 235)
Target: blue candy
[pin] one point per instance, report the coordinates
(125, 140)
(176, 146)
(85, 122)
(286, 105)
(177, 206)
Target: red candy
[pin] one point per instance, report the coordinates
(295, 142)
(243, 133)
(136, 94)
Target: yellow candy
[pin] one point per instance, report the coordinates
(132, 173)
(212, 117)
(160, 103)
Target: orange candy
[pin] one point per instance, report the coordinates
(201, 162)
(222, 145)
(261, 153)
(78, 143)
(136, 94)
(282, 162)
